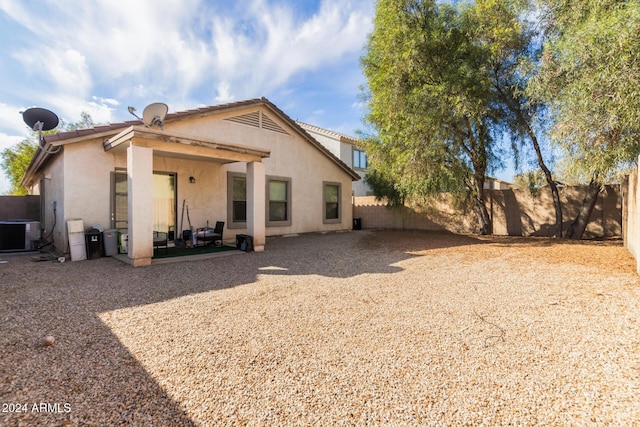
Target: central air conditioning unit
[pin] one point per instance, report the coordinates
(19, 235)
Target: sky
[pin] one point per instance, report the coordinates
(100, 57)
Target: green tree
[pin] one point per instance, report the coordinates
(589, 76)
(85, 122)
(16, 159)
(429, 102)
(512, 61)
(531, 180)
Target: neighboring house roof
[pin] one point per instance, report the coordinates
(46, 152)
(332, 134)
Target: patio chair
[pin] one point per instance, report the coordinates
(211, 235)
(160, 240)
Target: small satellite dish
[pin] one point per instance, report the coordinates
(154, 114)
(40, 119)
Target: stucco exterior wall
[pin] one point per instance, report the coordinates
(50, 188)
(294, 158)
(331, 144)
(360, 188)
(87, 178)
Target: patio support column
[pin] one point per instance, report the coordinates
(140, 204)
(256, 210)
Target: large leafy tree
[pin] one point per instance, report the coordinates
(430, 102)
(589, 76)
(16, 159)
(512, 61)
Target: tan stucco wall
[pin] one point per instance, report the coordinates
(291, 157)
(53, 192)
(87, 178)
(53, 178)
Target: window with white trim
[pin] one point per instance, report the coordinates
(278, 201)
(236, 200)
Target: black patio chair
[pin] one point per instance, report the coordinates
(160, 240)
(209, 235)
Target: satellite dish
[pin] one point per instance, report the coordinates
(40, 119)
(154, 114)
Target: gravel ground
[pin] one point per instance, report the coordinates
(358, 328)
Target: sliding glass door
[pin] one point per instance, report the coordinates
(164, 201)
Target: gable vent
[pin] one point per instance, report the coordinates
(259, 120)
(269, 124)
(251, 119)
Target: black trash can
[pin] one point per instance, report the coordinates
(244, 242)
(357, 223)
(94, 243)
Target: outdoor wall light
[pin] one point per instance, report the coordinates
(192, 180)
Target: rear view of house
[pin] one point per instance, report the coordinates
(245, 163)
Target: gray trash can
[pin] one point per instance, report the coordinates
(110, 241)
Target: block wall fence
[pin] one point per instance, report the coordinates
(514, 213)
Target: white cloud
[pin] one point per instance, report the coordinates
(179, 50)
(107, 101)
(100, 56)
(11, 119)
(271, 44)
(224, 93)
(7, 141)
(69, 107)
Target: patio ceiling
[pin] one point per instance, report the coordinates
(170, 144)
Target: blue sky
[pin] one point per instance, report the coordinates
(100, 56)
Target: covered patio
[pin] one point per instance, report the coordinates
(142, 144)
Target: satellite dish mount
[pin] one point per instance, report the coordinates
(41, 119)
(153, 114)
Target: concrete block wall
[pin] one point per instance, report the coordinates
(631, 215)
(514, 213)
(518, 213)
(20, 207)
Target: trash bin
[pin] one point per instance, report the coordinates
(244, 242)
(110, 241)
(94, 243)
(357, 223)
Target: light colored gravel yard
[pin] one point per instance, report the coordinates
(359, 328)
